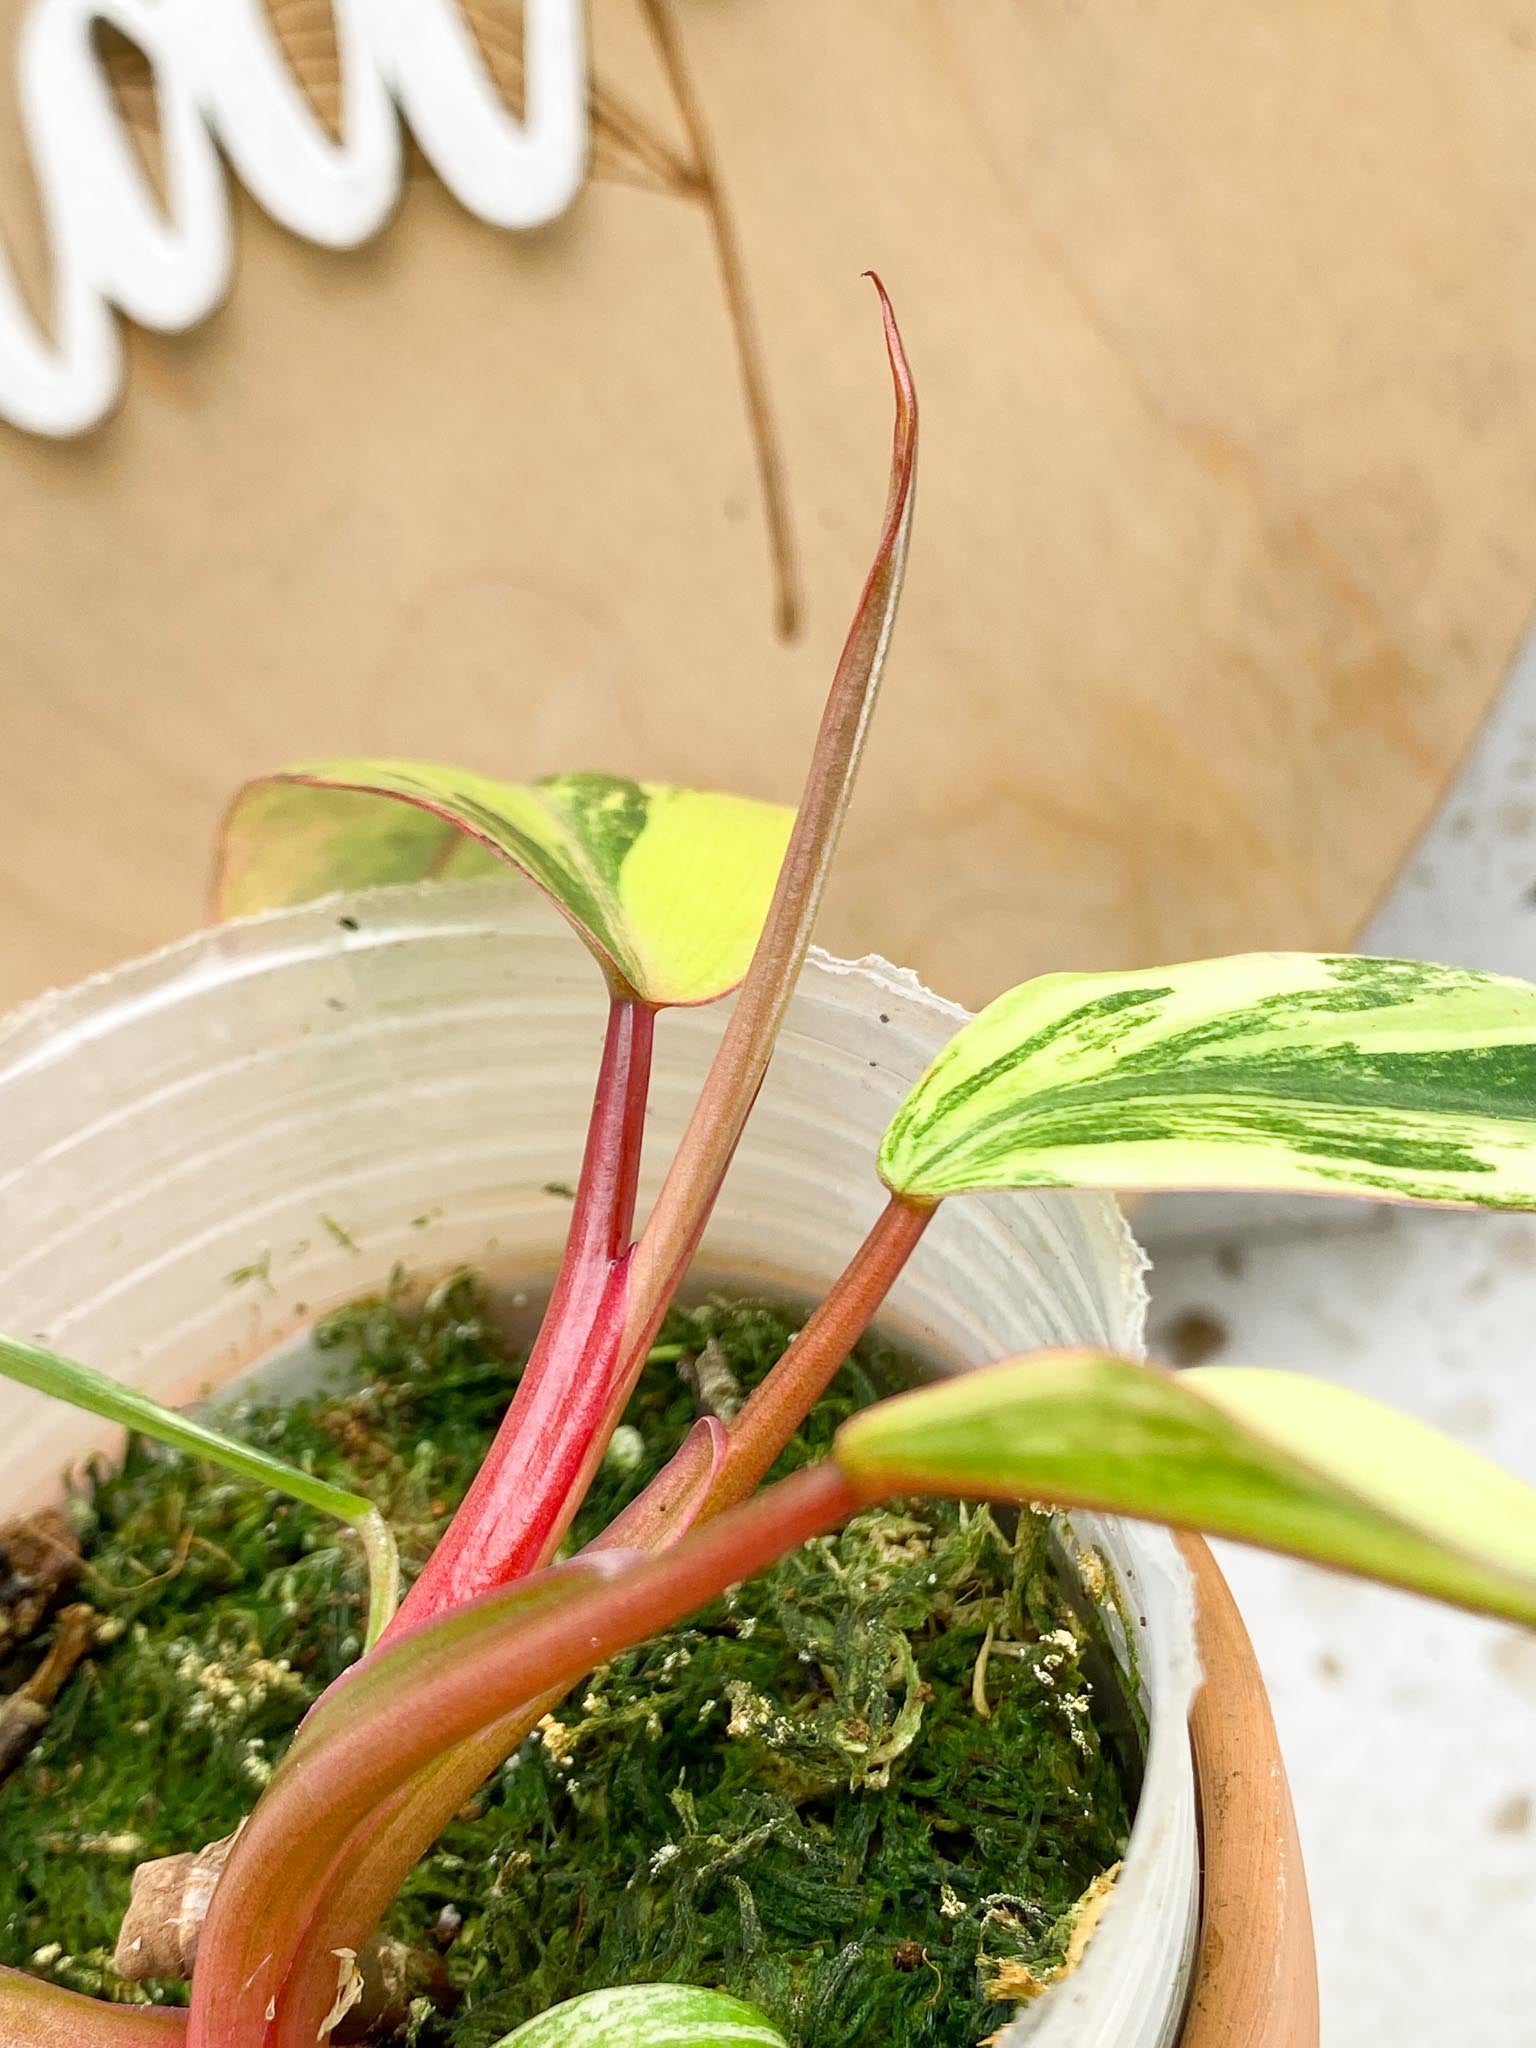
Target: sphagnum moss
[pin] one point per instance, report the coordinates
(866, 1791)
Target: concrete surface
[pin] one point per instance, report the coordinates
(1409, 1732)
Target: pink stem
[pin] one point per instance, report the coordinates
(36, 2014)
(712, 1471)
(373, 1863)
(525, 1493)
(597, 1335)
(705, 1477)
(604, 1212)
(425, 1699)
(780, 1403)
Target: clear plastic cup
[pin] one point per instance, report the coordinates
(204, 1149)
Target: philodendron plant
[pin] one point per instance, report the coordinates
(1331, 1075)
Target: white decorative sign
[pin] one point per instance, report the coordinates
(223, 84)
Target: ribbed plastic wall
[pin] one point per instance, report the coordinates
(205, 1148)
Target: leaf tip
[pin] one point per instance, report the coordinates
(901, 368)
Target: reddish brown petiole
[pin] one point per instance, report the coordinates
(526, 1492)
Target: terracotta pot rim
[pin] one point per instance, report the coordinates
(1254, 1983)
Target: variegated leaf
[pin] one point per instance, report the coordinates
(649, 2016)
(1271, 1458)
(669, 887)
(1327, 1074)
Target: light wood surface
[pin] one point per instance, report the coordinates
(1225, 323)
(1255, 1983)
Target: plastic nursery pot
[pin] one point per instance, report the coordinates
(204, 1149)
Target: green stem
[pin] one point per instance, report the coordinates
(64, 1380)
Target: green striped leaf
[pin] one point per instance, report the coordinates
(669, 887)
(82, 1387)
(649, 2016)
(1325, 1074)
(1271, 1458)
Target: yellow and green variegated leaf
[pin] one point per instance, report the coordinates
(1326, 1074)
(649, 2016)
(669, 887)
(1271, 1458)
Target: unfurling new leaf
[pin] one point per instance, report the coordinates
(1271, 1458)
(1318, 1073)
(668, 887)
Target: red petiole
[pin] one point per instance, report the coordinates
(524, 1495)
(777, 1407)
(719, 1466)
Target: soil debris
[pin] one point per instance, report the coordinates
(24, 1713)
(39, 1557)
(1193, 1338)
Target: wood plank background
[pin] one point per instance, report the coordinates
(1225, 324)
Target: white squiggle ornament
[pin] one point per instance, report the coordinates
(222, 83)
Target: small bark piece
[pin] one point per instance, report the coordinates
(715, 1388)
(393, 1976)
(166, 1911)
(164, 1922)
(39, 1557)
(24, 1712)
